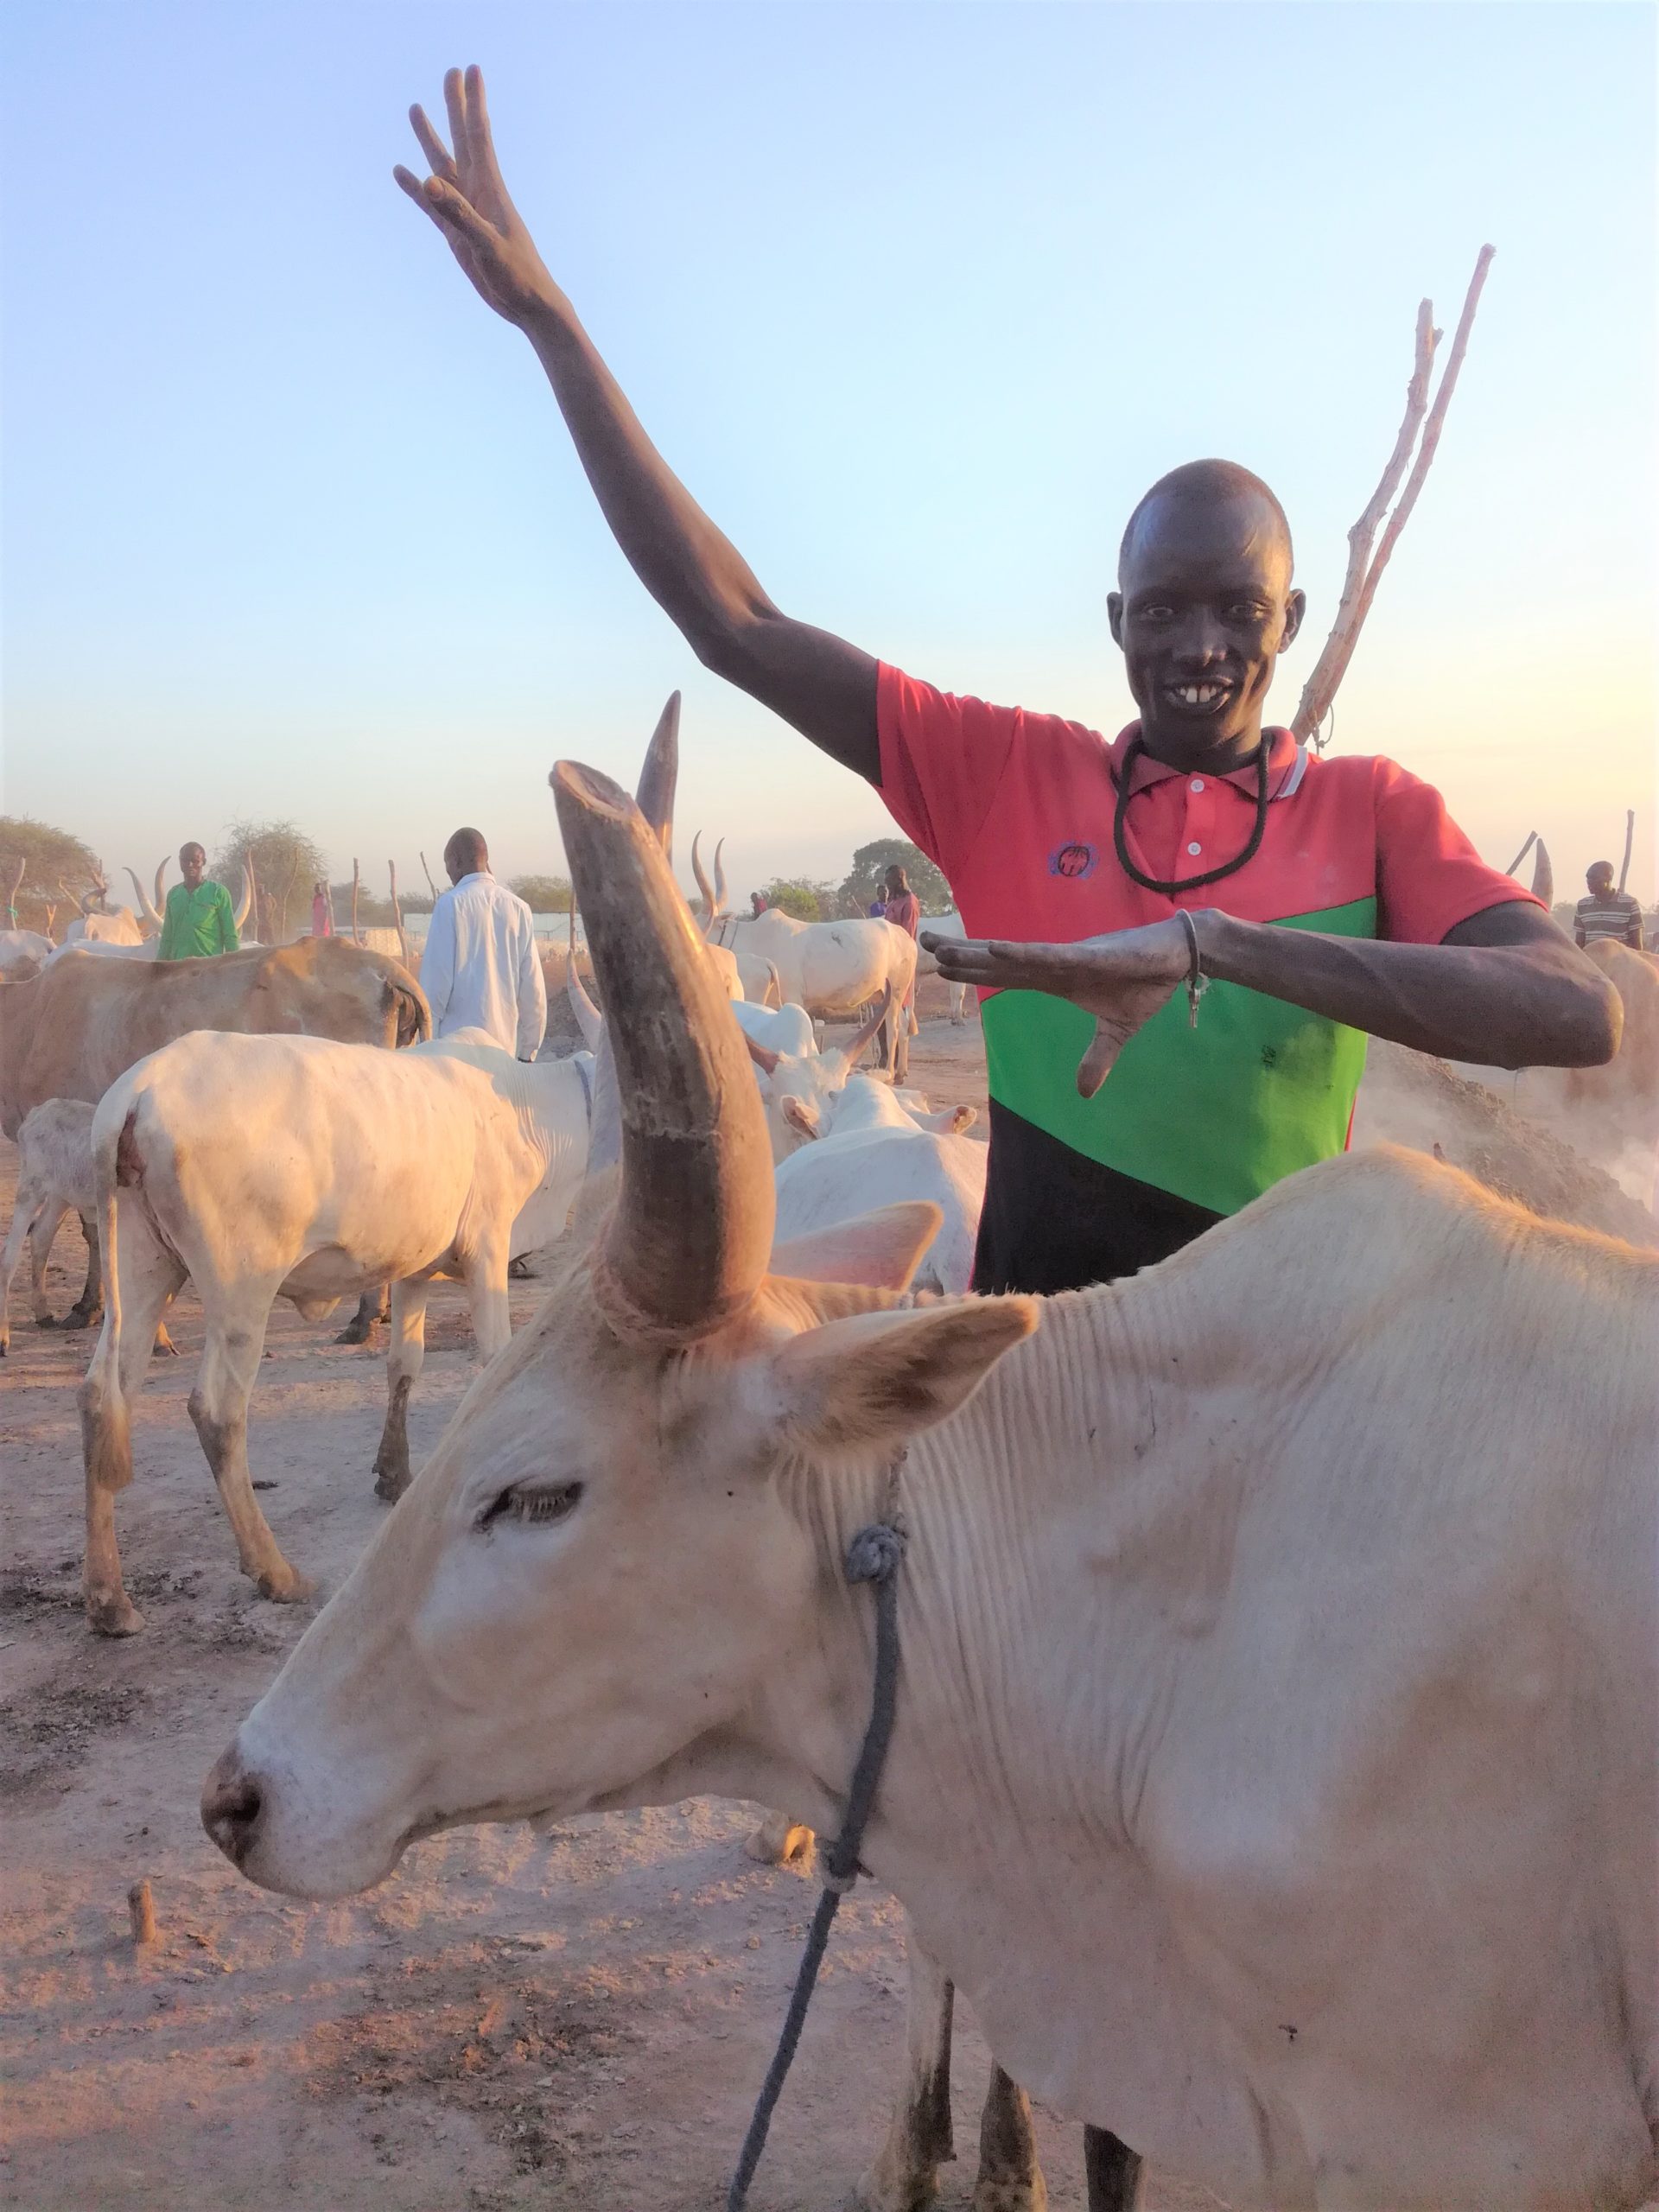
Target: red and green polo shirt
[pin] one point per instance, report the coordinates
(1016, 808)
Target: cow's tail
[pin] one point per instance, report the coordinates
(105, 1418)
(774, 985)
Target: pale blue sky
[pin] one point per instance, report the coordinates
(917, 299)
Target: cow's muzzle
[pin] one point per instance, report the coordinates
(231, 1806)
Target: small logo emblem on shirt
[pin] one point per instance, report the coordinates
(1076, 861)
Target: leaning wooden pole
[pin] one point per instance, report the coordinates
(430, 885)
(1630, 833)
(357, 877)
(397, 915)
(1420, 428)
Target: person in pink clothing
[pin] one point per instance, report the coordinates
(323, 912)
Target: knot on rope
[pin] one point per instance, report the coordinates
(875, 1554)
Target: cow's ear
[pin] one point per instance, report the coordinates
(801, 1115)
(865, 1384)
(879, 1250)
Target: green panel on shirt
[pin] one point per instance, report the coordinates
(1217, 1113)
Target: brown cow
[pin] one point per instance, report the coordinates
(71, 1030)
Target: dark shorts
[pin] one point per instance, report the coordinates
(1056, 1220)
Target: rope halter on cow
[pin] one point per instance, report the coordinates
(873, 1555)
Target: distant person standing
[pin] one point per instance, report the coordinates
(900, 907)
(480, 969)
(322, 911)
(756, 904)
(198, 919)
(1607, 912)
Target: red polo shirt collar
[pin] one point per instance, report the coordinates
(1286, 761)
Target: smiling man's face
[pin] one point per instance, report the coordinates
(193, 865)
(1204, 608)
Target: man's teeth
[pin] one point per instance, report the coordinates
(1199, 695)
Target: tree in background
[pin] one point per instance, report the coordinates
(286, 863)
(872, 861)
(543, 894)
(800, 895)
(47, 855)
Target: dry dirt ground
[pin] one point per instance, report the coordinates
(511, 2021)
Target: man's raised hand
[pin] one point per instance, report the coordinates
(1121, 980)
(466, 198)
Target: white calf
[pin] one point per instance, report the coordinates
(873, 1151)
(298, 1168)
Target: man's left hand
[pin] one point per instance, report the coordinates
(1121, 979)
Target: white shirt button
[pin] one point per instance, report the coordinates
(1196, 784)
(1195, 850)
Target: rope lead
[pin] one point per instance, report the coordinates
(873, 1555)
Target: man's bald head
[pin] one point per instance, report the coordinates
(466, 854)
(1204, 608)
(1193, 492)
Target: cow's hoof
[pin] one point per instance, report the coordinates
(77, 1317)
(389, 1486)
(356, 1332)
(283, 1586)
(876, 2191)
(45, 1320)
(113, 1613)
(779, 1842)
(1006, 2194)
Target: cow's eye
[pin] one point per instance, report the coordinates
(526, 1502)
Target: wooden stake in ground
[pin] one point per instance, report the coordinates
(1365, 567)
(397, 916)
(356, 934)
(426, 872)
(140, 1911)
(1629, 832)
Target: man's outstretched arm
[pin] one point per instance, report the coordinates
(822, 685)
(1504, 988)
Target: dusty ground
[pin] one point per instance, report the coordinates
(511, 2022)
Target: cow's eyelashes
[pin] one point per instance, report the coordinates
(549, 1502)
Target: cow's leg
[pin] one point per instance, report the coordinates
(235, 1319)
(779, 1841)
(905, 2175)
(1116, 2175)
(88, 1309)
(899, 1020)
(373, 1307)
(405, 1357)
(485, 1273)
(41, 1237)
(150, 1277)
(26, 1214)
(1010, 2179)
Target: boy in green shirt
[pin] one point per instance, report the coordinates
(199, 918)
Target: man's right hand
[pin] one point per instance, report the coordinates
(466, 198)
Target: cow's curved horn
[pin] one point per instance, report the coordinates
(654, 793)
(246, 906)
(161, 884)
(589, 1021)
(146, 906)
(1543, 876)
(710, 910)
(763, 1056)
(687, 1246)
(868, 1034)
(720, 879)
(17, 884)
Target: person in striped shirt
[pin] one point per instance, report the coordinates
(1607, 912)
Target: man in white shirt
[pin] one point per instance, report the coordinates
(480, 969)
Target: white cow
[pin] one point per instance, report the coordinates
(830, 968)
(810, 1078)
(786, 1030)
(872, 1150)
(927, 962)
(293, 1166)
(22, 953)
(1275, 1761)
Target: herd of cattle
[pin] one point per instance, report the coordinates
(1335, 1886)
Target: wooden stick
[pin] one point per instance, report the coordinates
(1629, 832)
(1531, 839)
(1356, 603)
(141, 1912)
(356, 934)
(397, 915)
(427, 871)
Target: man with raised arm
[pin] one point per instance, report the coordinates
(1314, 901)
(1318, 899)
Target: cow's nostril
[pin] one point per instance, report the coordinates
(231, 1802)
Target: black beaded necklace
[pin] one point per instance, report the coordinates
(1132, 753)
